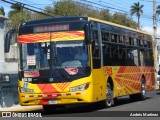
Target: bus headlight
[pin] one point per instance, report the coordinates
(80, 87)
(26, 90)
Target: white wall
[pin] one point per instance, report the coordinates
(7, 67)
(2, 66)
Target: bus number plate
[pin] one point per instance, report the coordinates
(52, 101)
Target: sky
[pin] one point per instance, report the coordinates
(146, 20)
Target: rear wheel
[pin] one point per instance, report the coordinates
(142, 94)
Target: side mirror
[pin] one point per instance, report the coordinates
(158, 69)
(8, 39)
(87, 33)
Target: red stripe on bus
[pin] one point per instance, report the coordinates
(122, 69)
(47, 88)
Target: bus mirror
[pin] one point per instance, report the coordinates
(87, 34)
(159, 70)
(8, 39)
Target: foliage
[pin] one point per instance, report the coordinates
(16, 8)
(2, 12)
(158, 10)
(122, 19)
(67, 8)
(137, 9)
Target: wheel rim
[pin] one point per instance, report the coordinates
(143, 89)
(109, 95)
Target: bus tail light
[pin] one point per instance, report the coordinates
(80, 87)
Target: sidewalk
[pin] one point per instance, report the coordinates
(19, 108)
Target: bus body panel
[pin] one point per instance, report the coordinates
(57, 91)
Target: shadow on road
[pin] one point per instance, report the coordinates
(123, 101)
(85, 109)
(158, 93)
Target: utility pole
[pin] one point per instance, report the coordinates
(154, 22)
(155, 41)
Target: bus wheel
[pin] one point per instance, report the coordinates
(49, 108)
(109, 96)
(142, 95)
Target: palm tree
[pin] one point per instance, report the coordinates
(2, 11)
(137, 9)
(16, 8)
(158, 10)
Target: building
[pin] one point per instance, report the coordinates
(8, 62)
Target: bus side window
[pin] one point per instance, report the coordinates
(135, 41)
(107, 55)
(120, 39)
(96, 51)
(131, 41)
(127, 40)
(145, 43)
(149, 44)
(142, 62)
(121, 56)
(112, 38)
(105, 36)
(130, 58)
(114, 52)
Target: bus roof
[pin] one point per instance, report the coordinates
(117, 25)
(55, 19)
(77, 18)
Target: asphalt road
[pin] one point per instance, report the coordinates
(123, 108)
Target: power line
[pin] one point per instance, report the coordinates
(27, 7)
(125, 4)
(144, 16)
(126, 12)
(129, 6)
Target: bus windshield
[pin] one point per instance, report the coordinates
(71, 54)
(62, 54)
(35, 56)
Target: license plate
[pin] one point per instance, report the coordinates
(52, 101)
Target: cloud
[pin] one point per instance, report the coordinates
(149, 29)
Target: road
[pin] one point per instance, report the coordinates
(123, 108)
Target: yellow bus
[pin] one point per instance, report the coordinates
(73, 60)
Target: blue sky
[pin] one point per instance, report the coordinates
(123, 5)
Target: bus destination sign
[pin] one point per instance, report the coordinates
(51, 27)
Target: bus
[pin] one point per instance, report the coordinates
(78, 60)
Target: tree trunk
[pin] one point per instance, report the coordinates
(138, 22)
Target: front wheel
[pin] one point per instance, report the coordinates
(108, 102)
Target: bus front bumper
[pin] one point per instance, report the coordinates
(54, 98)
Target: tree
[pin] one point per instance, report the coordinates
(2, 12)
(123, 19)
(158, 10)
(106, 15)
(137, 9)
(16, 8)
(67, 8)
